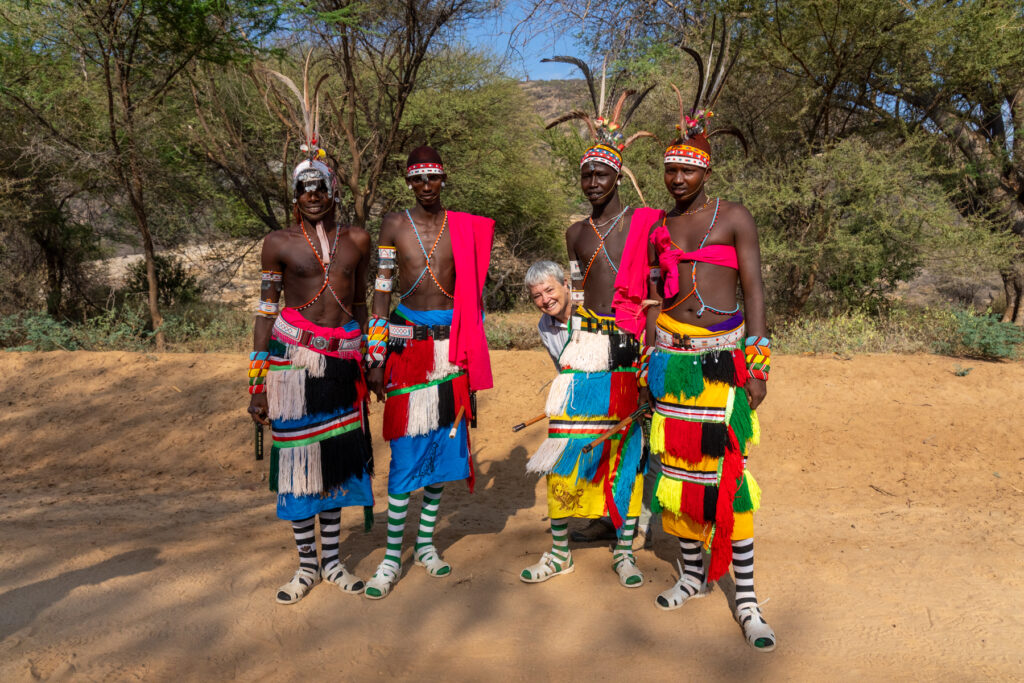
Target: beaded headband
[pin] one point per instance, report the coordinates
(685, 154)
(427, 168)
(602, 154)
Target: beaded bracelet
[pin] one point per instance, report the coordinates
(758, 354)
(259, 364)
(644, 365)
(376, 341)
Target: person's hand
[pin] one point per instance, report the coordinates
(258, 409)
(756, 391)
(645, 397)
(375, 383)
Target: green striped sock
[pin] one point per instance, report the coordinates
(560, 539)
(625, 543)
(428, 516)
(398, 506)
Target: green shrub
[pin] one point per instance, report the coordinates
(982, 336)
(174, 284)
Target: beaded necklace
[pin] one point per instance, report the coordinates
(690, 212)
(427, 255)
(602, 247)
(693, 271)
(327, 280)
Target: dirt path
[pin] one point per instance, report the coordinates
(139, 541)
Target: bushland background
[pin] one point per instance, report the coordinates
(146, 152)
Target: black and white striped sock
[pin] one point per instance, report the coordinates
(693, 561)
(330, 529)
(305, 541)
(743, 568)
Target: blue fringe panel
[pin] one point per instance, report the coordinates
(656, 373)
(590, 394)
(629, 465)
(573, 450)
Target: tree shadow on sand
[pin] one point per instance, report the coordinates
(22, 605)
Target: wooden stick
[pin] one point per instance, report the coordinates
(458, 419)
(533, 420)
(624, 422)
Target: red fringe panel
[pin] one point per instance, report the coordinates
(740, 364)
(683, 439)
(411, 364)
(460, 391)
(721, 545)
(396, 416)
(623, 397)
(604, 470)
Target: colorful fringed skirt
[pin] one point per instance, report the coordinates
(595, 389)
(424, 394)
(321, 458)
(701, 429)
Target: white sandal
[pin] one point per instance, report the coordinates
(341, 577)
(624, 564)
(428, 557)
(382, 581)
(547, 567)
(756, 630)
(296, 589)
(686, 588)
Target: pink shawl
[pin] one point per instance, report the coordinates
(471, 246)
(631, 282)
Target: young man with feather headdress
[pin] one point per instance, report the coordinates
(305, 372)
(706, 362)
(597, 385)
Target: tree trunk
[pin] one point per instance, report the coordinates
(1013, 285)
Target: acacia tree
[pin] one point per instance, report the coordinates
(136, 51)
(376, 48)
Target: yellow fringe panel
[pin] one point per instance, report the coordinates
(670, 492)
(658, 434)
(756, 425)
(755, 491)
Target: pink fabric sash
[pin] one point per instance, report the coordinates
(631, 282)
(472, 237)
(669, 257)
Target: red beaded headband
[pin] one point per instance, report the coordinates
(428, 168)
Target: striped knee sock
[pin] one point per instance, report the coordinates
(330, 529)
(625, 542)
(398, 506)
(428, 516)
(560, 539)
(305, 541)
(693, 561)
(743, 568)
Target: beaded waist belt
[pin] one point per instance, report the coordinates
(674, 342)
(418, 332)
(311, 340)
(595, 325)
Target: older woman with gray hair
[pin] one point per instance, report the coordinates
(549, 291)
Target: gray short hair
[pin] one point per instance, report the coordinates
(540, 271)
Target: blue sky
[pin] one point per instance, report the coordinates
(521, 60)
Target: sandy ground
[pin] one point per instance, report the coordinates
(139, 541)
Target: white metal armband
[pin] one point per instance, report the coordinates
(574, 270)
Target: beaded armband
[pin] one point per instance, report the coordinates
(259, 363)
(385, 261)
(376, 341)
(758, 351)
(271, 277)
(268, 309)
